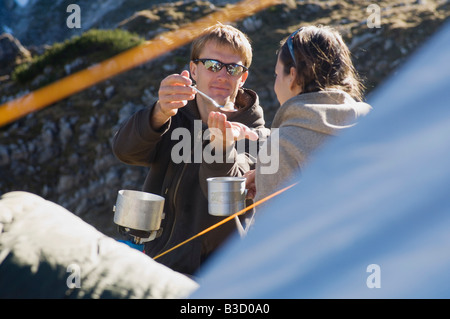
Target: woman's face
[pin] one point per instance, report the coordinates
(285, 86)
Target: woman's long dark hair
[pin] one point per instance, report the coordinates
(323, 61)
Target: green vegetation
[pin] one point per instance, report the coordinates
(93, 46)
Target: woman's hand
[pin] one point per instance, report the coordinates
(225, 133)
(250, 184)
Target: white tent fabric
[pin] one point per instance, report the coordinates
(371, 215)
(46, 252)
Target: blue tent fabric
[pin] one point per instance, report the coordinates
(370, 217)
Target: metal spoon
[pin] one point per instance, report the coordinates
(226, 107)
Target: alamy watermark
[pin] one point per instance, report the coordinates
(74, 279)
(267, 152)
(74, 19)
(374, 18)
(374, 279)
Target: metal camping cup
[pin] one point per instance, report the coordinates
(139, 210)
(226, 195)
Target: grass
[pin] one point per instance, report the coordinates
(94, 45)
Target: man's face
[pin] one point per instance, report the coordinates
(221, 86)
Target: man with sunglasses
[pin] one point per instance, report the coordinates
(219, 64)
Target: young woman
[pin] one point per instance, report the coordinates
(319, 94)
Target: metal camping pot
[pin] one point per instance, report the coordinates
(226, 195)
(139, 210)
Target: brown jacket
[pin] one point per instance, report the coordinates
(183, 184)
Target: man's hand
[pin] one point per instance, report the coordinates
(225, 133)
(174, 93)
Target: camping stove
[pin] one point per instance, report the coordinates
(138, 216)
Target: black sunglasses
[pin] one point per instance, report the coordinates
(290, 44)
(212, 65)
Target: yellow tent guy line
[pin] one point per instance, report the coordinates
(33, 101)
(225, 220)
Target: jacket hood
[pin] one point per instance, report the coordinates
(325, 111)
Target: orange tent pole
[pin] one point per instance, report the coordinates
(15, 109)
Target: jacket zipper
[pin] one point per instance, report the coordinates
(178, 185)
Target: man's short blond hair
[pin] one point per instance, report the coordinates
(225, 35)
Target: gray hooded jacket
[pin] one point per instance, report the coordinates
(300, 126)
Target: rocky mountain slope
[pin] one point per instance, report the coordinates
(49, 22)
(63, 152)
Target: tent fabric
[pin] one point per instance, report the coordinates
(370, 217)
(48, 252)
